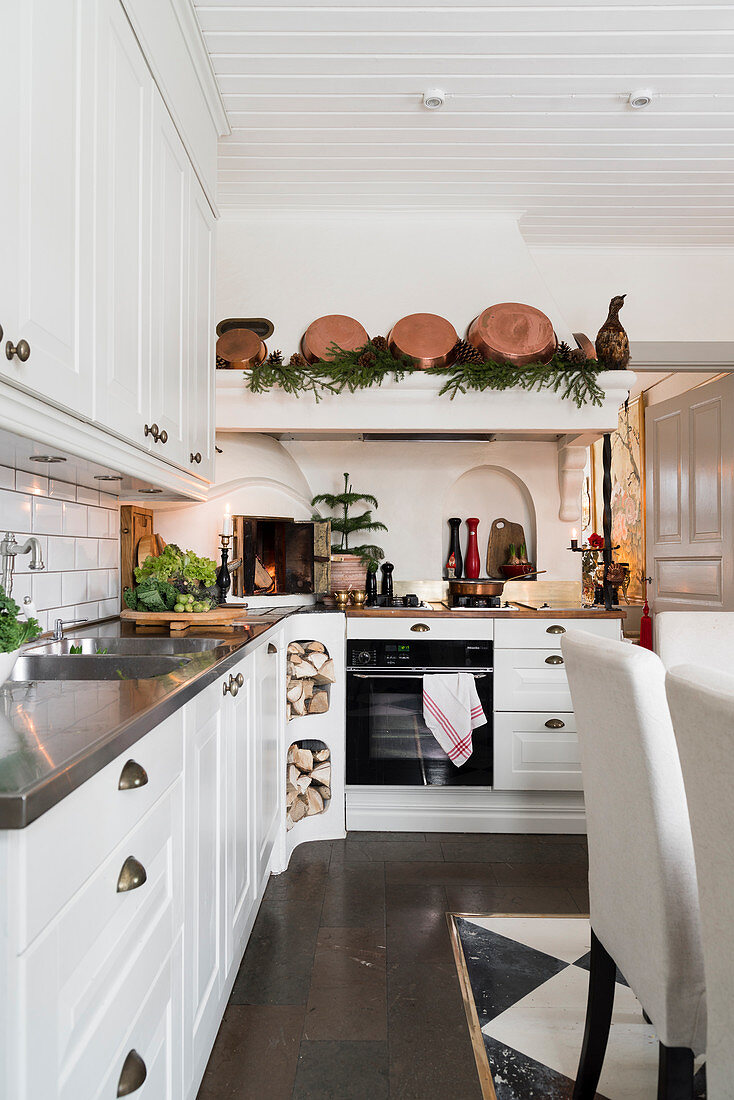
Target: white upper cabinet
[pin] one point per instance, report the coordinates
(46, 246)
(201, 326)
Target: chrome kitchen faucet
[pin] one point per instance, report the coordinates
(9, 550)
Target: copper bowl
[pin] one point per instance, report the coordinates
(426, 338)
(240, 349)
(334, 328)
(511, 332)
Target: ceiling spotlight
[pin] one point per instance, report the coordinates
(150, 491)
(46, 458)
(434, 99)
(640, 99)
(108, 477)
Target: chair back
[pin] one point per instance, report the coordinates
(702, 708)
(695, 638)
(642, 878)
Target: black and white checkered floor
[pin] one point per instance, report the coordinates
(529, 981)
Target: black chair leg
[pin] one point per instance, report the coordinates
(675, 1073)
(602, 978)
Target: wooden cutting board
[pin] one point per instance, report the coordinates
(179, 621)
(502, 535)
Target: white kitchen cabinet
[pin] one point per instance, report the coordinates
(547, 633)
(242, 884)
(200, 343)
(530, 679)
(536, 751)
(47, 283)
(269, 770)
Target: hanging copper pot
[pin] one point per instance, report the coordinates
(426, 338)
(334, 328)
(240, 349)
(511, 332)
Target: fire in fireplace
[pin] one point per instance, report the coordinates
(280, 556)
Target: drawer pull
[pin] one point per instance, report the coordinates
(195, 457)
(133, 1074)
(554, 659)
(132, 876)
(133, 775)
(272, 648)
(22, 349)
(555, 629)
(240, 679)
(555, 724)
(420, 628)
(232, 686)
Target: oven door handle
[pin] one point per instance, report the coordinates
(405, 675)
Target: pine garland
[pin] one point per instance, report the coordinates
(371, 364)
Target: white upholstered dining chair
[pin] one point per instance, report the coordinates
(695, 637)
(642, 879)
(702, 708)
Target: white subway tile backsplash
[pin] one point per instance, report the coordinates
(22, 586)
(73, 587)
(113, 525)
(61, 553)
(61, 490)
(85, 553)
(97, 584)
(15, 512)
(75, 518)
(47, 516)
(108, 554)
(109, 607)
(47, 589)
(86, 495)
(7, 478)
(97, 522)
(107, 500)
(36, 484)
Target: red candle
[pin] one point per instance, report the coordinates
(472, 564)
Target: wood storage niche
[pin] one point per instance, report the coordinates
(310, 674)
(307, 781)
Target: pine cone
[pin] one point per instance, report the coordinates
(275, 359)
(467, 353)
(297, 360)
(577, 357)
(222, 364)
(366, 359)
(380, 343)
(564, 351)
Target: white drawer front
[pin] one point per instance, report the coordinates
(440, 627)
(547, 633)
(97, 958)
(536, 752)
(530, 679)
(66, 845)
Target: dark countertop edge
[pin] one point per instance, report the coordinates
(437, 610)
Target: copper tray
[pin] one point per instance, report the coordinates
(426, 338)
(334, 328)
(511, 332)
(241, 348)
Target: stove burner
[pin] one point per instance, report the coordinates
(410, 600)
(475, 601)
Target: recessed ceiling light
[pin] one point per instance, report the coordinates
(434, 99)
(642, 98)
(46, 458)
(108, 477)
(150, 491)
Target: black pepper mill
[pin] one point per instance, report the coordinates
(386, 586)
(454, 562)
(371, 587)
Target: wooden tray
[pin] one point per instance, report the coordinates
(178, 622)
(502, 535)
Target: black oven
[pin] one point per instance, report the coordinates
(388, 743)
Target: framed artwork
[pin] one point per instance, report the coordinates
(628, 492)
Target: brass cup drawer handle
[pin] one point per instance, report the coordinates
(133, 1074)
(163, 437)
(195, 457)
(272, 648)
(22, 350)
(555, 724)
(420, 628)
(555, 629)
(132, 776)
(132, 876)
(152, 429)
(554, 659)
(232, 686)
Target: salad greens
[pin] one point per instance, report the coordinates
(14, 632)
(178, 565)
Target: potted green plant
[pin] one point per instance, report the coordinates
(348, 561)
(15, 631)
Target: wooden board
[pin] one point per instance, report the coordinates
(178, 621)
(502, 535)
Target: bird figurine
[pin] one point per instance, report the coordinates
(612, 344)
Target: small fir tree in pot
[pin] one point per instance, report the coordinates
(349, 561)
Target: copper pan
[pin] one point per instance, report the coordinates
(335, 328)
(487, 587)
(426, 338)
(511, 332)
(241, 348)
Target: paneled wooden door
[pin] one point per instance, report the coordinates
(690, 464)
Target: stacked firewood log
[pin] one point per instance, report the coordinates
(308, 783)
(310, 671)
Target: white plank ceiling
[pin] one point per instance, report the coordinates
(325, 104)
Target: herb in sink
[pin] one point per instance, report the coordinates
(15, 631)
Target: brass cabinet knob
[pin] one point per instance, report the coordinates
(22, 350)
(163, 437)
(272, 648)
(555, 629)
(152, 429)
(555, 724)
(232, 686)
(420, 628)
(554, 659)
(133, 1074)
(240, 679)
(133, 775)
(132, 876)
(192, 457)
(1, 332)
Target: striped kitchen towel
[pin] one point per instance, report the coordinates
(451, 710)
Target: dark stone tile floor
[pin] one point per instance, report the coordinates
(348, 989)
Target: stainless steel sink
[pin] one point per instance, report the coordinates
(33, 666)
(127, 646)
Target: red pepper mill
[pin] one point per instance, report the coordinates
(472, 564)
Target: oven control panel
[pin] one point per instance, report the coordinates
(397, 654)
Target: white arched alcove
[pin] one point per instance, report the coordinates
(490, 492)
